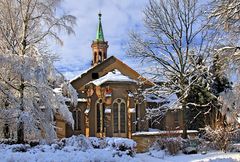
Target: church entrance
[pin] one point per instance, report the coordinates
(119, 118)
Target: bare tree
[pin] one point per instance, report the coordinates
(25, 28)
(174, 41)
(226, 14)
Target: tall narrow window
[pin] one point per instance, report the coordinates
(122, 117)
(100, 116)
(95, 57)
(176, 121)
(137, 117)
(119, 116)
(115, 117)
(6, 131)
(77, 119)
(100, 57)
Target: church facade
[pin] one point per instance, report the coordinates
(109, 103)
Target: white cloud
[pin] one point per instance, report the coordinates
(119, 17)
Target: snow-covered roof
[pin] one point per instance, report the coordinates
(82, 100)
(159, 132)
(113, 76)
(80, 75)
(153, 98)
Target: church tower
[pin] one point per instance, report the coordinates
(99, 46)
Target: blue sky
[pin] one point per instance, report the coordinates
(119, 18)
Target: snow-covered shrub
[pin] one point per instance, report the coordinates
(99, 143)
(219, 137)
(20, 148)
(171, 145)
(8, 141)
(121, 144)
(80, 142)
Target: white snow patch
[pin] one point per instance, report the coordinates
(82, 100)
(113, 76)
(132, 110)
(159, 132)
(108, 110)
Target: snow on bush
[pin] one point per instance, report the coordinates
(219, 137)
(171, 145)
(78, 148)
(121, 143)
(80, 142)
(98, 143)
(121, 146)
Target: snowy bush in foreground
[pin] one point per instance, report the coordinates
(171, 145)
(118, 146)
(219, 138)
(121, 146)
(80, 142)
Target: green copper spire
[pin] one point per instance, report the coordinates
(100, 36)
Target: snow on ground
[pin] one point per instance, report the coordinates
(82, 149)
(209, 157)
(103, 155)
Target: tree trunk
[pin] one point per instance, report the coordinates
(20, 132)
(20, 126)
(184, 106)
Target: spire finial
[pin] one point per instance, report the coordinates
(99, 14)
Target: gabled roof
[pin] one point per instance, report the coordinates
(103, 68)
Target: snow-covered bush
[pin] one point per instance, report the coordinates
(20, 148)
(171, 145)
(121, 146)
(219, 137)
(80, 142)
(98, 143)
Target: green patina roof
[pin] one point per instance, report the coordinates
(100, 36)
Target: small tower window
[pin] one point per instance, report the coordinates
(105, 55)
(95, 76)
(95, 57)
(100, 57)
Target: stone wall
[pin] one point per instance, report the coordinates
(146, 139)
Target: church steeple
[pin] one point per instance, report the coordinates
(100, 36)
(99, 46)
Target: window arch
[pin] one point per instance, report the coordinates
(100, 108)
(119, 116)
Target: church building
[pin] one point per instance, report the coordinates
(109, 101)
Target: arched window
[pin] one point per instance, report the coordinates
(119, 116)
(77, 119)
(100, 108)
(6, 131)
(95, 57)
(100, 57)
